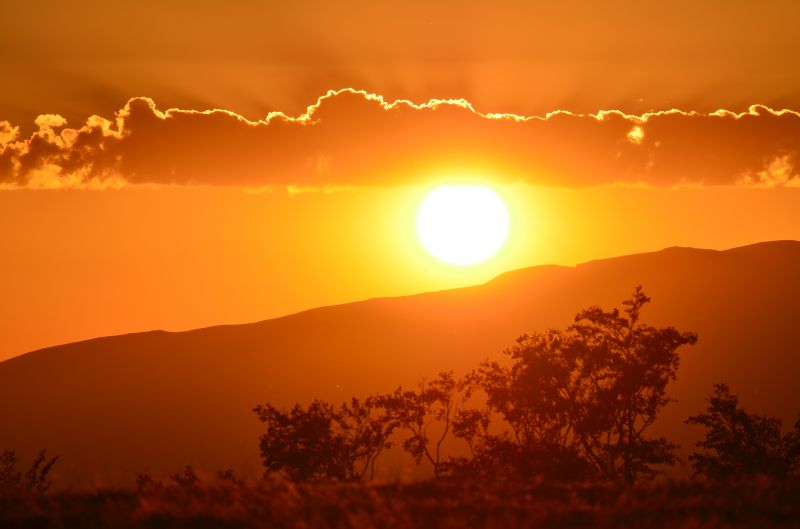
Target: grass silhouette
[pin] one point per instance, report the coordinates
(225, 502)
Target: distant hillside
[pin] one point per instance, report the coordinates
(154, 401)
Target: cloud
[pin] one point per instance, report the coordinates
(7, 133)
(353, 138)
(49, 121)
(777, 172)
(636, 135)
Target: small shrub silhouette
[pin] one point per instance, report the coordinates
(35, 479)
(740, 444)
(186, 478)
(321, 442)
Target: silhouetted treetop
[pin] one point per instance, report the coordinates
(413, 411)
(570, 404)
(738, 443)
(591, 390)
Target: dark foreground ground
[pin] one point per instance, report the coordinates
(429, 505)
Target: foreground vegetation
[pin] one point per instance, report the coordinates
(567, 405)
(226, 502)
(557, 436)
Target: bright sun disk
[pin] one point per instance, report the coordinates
(462, 224)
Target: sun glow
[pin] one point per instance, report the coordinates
(462, 224)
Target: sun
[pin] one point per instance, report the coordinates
(462, 224)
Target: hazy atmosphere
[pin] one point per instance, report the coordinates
(431, 264)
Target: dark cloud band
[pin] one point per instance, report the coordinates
(352, 138)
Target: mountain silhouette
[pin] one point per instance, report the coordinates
(152, 402)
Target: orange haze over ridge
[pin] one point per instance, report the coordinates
(177, 165)
(87, 263)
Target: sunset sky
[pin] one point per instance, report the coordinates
(172, 167)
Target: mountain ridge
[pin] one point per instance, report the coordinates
(496, 279)
(153, 401)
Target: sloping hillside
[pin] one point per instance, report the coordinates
(154, 401)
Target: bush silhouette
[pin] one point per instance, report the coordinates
(321, 442)
(741, 444)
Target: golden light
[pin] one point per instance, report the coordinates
(462, 224)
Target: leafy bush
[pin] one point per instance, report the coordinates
(323, 442)
(741, 444)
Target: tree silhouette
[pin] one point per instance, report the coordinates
(322, 442)
(574, 403)
(416, 410)
(738, 443)
(472, 425)
(366, 427)
(587, 395)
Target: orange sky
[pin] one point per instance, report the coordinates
(80, 264)
(82, 57)
(181, 218)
